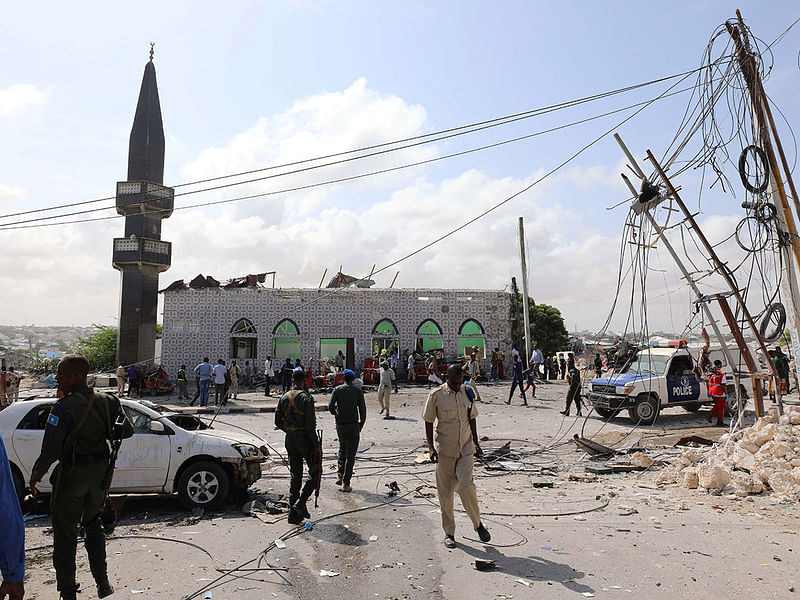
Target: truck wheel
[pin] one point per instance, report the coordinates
(203, 484)
(606, 413)
(645, 411)
(693, 407)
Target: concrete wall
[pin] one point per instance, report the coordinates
(197, 322)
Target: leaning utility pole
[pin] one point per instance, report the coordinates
(525, 309)
(723, 270)
(660, 233)
(788, 239)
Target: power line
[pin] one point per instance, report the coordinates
(25, 224)
(437, 136)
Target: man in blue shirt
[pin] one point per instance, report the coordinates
(516, 381)
(12, 542)
(203, 371)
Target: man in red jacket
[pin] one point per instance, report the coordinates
(717, 393)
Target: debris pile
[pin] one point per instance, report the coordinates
(761, 458)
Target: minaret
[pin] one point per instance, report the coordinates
(141, 255)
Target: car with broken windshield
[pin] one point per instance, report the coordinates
(168, 453)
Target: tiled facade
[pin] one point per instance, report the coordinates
(197, 322)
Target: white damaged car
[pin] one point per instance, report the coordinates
(168, 453)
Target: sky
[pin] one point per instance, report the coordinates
(262, 84)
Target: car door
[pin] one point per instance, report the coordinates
(27, 442)
(682, 383)
(143, 461)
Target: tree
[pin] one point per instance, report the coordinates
(547, 324)
(100, 348)
(547, 328)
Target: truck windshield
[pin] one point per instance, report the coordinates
(647, 364)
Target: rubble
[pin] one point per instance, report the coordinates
(640, 459)
(764, 458)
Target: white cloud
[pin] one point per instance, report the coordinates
(64, 274)
(20, 98)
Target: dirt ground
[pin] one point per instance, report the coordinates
(619, 536)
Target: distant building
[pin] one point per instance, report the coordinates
(252, 322)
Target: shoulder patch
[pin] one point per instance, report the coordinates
(52, 420)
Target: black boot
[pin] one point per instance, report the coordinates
(104, 588)
(295, 516)
(300, 506)
(70, 594)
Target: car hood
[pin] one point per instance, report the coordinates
(622, 378)
(234, 437)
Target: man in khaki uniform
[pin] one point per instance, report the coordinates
(456, 441)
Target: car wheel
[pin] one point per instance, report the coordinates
(645, 411)
(19, 485)
(203, 484)
(154, 392)
(606, 413)
(693, 407)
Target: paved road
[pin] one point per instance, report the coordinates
(657, 543)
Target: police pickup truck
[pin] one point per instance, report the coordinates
(658, 378)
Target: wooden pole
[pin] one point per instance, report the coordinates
(371, 271)
(525, 309)
(761, 115)
(395, 279)
(721, 267)
(321, 281)
(752, 366)
(339, 277)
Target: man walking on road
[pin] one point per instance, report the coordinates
(203, 372)
(236, 372)
(412, 376)
(385, 384)
(78, 430)
(12, 542)
(574, 377)
(269, 373)
(517, 381)
(456, 442)
(598, 365)
(348, 406)
(219, 382)
(473, 369)
(286, 375)
(537, 360)
(296, 417)
(181, 381)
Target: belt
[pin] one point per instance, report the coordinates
(293, 429)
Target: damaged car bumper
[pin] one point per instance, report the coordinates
(245, 471)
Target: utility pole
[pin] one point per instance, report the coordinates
(525, 292)
(723, 270)
(684, 272)
(788, 239)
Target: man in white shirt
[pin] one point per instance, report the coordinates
(537, 360)
(412, 377)
(385, 385)
(219, 381)
(269, 373)
(473, 369)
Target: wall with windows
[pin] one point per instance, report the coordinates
(256, 322)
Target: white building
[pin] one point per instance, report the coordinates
(253, 322)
